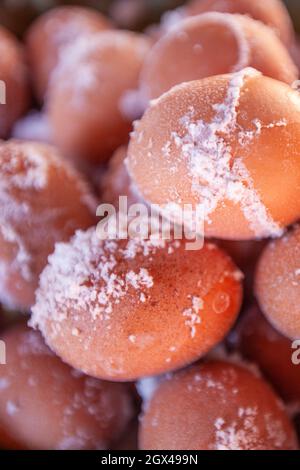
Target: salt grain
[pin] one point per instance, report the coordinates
(192, 314)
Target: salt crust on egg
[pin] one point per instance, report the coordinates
(89, 111)
(51, 33)
(28, 171)
(200, 150)
(249, 416)
(102, 304)
(15, 92)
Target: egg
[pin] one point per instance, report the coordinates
(259, 342)
(90, 112)
(125, 309)
(51, 32)
(271, 12)
(14, 82)
(226, 146)
(44, 404)
(188, 52)
(42, 200)
(215, 406)
(277, 283)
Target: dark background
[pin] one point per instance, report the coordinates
(131, 14)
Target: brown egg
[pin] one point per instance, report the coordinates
(212, 144)
(124, 309)
(277, 283)
(44, 404)
(187, 52)
(116, 182)
(215, 406)
(42, 200)
(262, 344)
(51, 33)
(271, 12)
(14, 87)
(90, 111)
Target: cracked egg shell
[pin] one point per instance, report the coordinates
(215, 406)
(45, 404)
(15, 94)
(277, 282)
(42, 200)
(188, 52)
(271, 12)
(51, 33)
(229, 147)
(121, 310)
(88, 111)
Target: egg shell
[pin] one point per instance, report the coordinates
(42, 200)
(124, 309)
(271, 12)
(213, 44)
(261, 343)
(277, 283)
(212, 143)
(44, 404)
(14, 86)
(88, 112)
(215, 406)
(51, 32)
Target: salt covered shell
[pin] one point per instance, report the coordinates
(88, 111)
(228, 147)
(14, 83)
(42, 200)
(51, 33)
(125, 309)
(215, 406)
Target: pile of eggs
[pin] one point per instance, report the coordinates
(106, 339)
